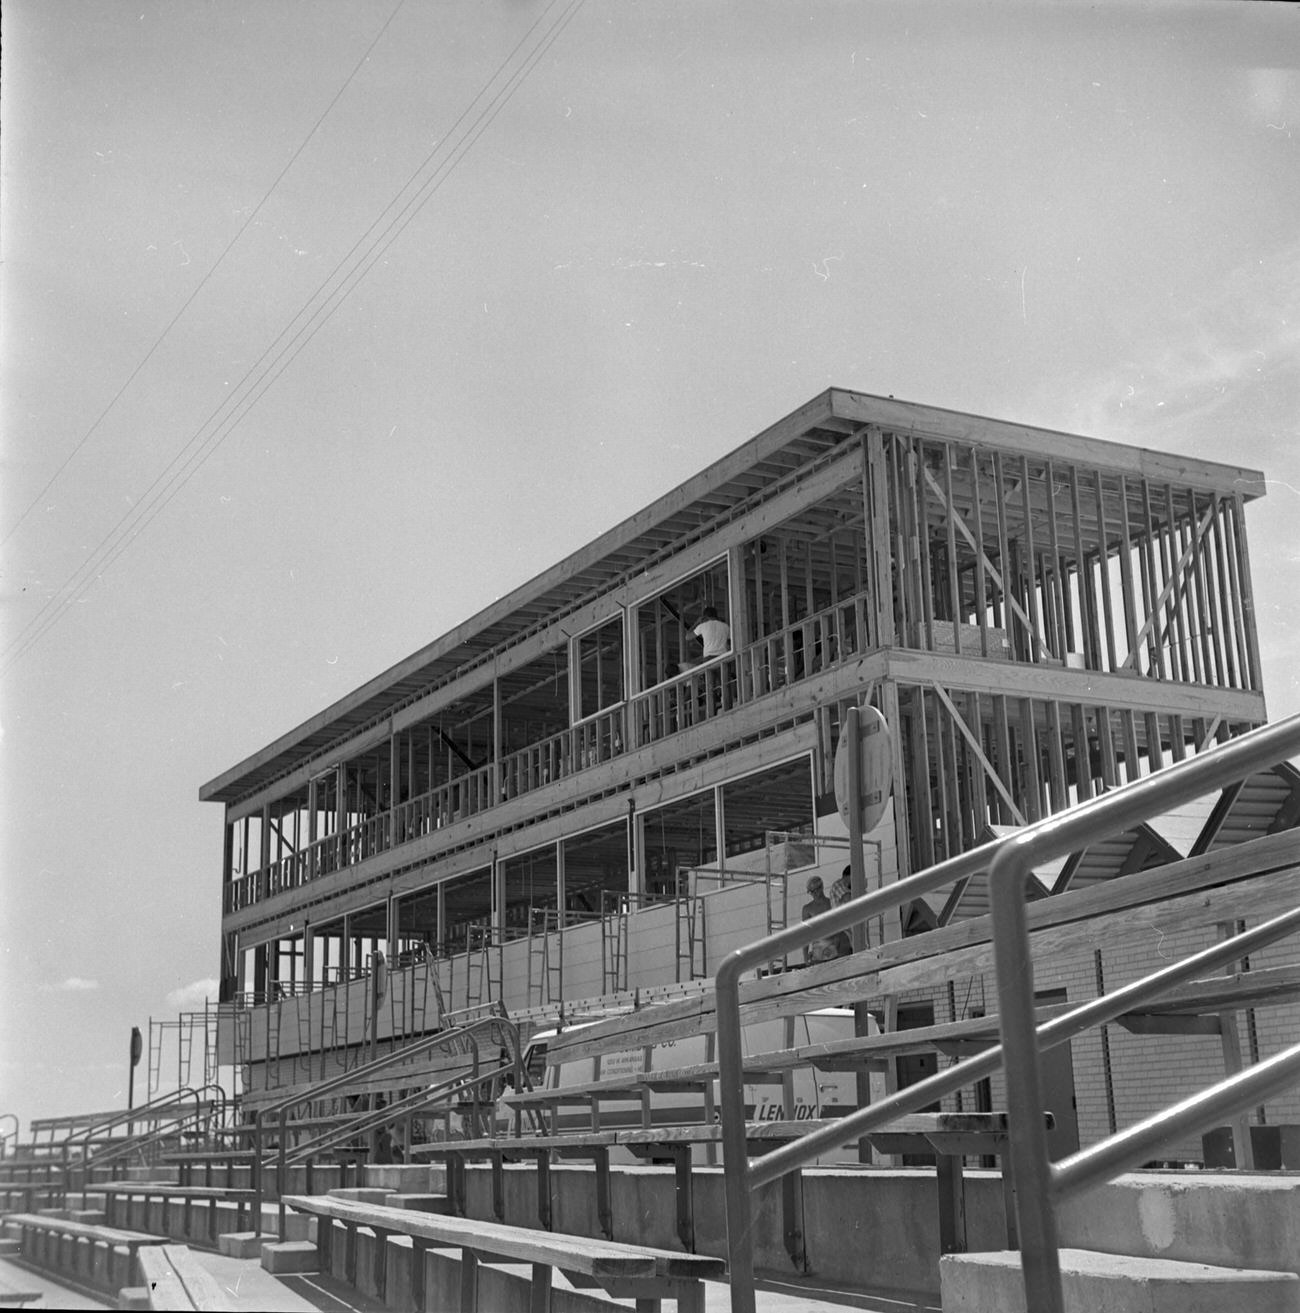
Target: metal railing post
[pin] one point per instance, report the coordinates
(735, 1153)
(1031, 1168)
(282, 1169)
(257, 1173)
(1009, 871)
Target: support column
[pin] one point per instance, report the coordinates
(313, 801)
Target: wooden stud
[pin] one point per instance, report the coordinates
(954, 583)
(1223, 622)
(1035, 612)
(981, 583)
(1029, 752)
(1245, 587)
(1103, 559)
(916, 466)
(1082, 755)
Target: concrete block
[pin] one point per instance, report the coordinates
(9, 1245)
(361, 1194)
(412, 1178)
(90, 1216)
(133, 1297)
(1227, 1219)
(282, 1257)
(1116, 1283)
(241, 1244)
(424, 1203)
(163, 1175)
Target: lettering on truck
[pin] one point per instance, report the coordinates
(816, 1094)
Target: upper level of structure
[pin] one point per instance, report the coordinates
(940, 546)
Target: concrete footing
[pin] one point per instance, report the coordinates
(1116, 1283)
(424, 1203)
(281, 1257)
(362, 1194)
(242, 1244)
(1229, 1219)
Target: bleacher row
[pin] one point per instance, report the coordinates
(105, 1228)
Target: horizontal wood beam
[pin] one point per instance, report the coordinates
(911, 419)
(1064, 684)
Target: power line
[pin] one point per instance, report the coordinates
(203, 282)
(187, 462)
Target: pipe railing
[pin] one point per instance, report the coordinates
(826, 638)
(466, 1038)
(1038, 1183)
(1055, 836)
(172, 1108)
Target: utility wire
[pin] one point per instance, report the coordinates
(287, 346)
(203, 282)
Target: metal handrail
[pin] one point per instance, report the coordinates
(165, 1107)
(1110, 813)
(505, 1031)
(1038, 1183)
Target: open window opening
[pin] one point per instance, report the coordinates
(467, 908)
(531, 885)
(599, 661)
(780, 801)
(678, 627)
(678, 838)
(595, 869)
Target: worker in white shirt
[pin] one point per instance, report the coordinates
(714, 634)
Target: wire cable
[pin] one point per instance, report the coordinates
(203, 282)
(283, 352)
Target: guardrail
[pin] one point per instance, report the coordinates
(504, 1032)
(714, 688)
(1010, 861)
(167, 1115)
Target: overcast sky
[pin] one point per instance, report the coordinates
(561, 257)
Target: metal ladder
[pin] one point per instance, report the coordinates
(689, 936)
(545, 961)
(480, 960)
(613, 942)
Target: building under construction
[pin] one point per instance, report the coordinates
(574, 803)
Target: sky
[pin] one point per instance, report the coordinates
(324, 323)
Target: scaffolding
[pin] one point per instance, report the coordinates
(193, 1035)
(483, 966)
(545, 956)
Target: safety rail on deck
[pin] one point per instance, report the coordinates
(1010, 861)
(699, 694)
(465, 1038)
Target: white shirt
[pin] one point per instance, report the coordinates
(715, 635)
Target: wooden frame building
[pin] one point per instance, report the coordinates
(560, 800)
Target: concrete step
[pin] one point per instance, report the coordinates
(1116, 1283)
(408, 1178)
(1224, 1218)
(425, 1203)
(282, 1257)
(362, 1194)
